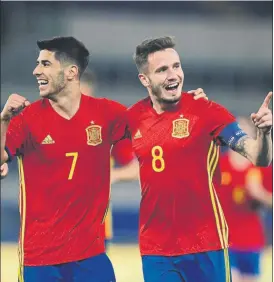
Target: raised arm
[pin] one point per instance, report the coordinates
(14, 105)
(259, 150)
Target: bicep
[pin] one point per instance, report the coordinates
(244, 146)
(237, 140)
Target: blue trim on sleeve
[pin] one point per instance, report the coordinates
(231, 134)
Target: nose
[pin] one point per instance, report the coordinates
(37, 70)
(172, 75)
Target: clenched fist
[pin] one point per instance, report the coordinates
(14, 105)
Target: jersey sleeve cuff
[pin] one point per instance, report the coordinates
(231, 134)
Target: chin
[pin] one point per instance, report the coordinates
(172, 100)
(44, 94)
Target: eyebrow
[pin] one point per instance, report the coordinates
(43, 61)
(164, 67)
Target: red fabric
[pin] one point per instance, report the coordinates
(176, 212)
(62, 218)
(245, 227)
(122, 153)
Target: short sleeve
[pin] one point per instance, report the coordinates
(218, 117)
(16, 138)
(119, 126)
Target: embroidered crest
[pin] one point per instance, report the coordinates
(180, 128)
(94, 135)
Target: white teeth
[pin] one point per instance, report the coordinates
(173, 85)
(42, 82)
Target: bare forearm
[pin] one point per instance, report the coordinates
(258, 151)
(264, 144)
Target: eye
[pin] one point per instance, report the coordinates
(163, 69)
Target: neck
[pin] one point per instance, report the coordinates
(160, 106)
(67, 102)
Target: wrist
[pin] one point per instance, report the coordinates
(5, 119)
(265, 133)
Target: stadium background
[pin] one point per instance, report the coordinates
(225, 47)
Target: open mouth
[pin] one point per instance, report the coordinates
(42, 82)
(172, 87)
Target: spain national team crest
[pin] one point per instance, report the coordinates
(94, 135)
(180, 128)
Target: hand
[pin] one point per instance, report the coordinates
(14, 105)
(263, 118)
(4, 170)
(198, 93)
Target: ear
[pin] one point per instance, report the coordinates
(72, 72)
(144, 79)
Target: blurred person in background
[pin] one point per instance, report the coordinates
(182, 230)
(241, 195)
(63, 144)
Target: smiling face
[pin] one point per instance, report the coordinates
(50, 74)
(164, 77)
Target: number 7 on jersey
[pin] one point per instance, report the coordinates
(75, 156)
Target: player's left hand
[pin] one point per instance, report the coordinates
(4, 170)
(263, 118)
(198, 93)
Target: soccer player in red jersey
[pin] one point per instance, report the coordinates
(63, 143)
(183, 235)
(241, 194)
(121, 154)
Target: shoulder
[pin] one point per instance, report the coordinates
(139, 106)
(205, 108)
(104, 104)
(200, 104)
(33, 109)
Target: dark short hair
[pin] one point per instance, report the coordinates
(67, 49)
(150, 46)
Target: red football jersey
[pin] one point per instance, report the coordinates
(64, 170)
(122, 153)
(178, 156)
(245, 227)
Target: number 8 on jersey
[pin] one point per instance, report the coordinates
(158, 163)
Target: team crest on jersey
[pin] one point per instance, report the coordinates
(180, 128)
(94, 135)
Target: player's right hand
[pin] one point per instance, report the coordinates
(14, 105)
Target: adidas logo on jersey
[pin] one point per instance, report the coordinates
(48, 140)
(137, 135)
